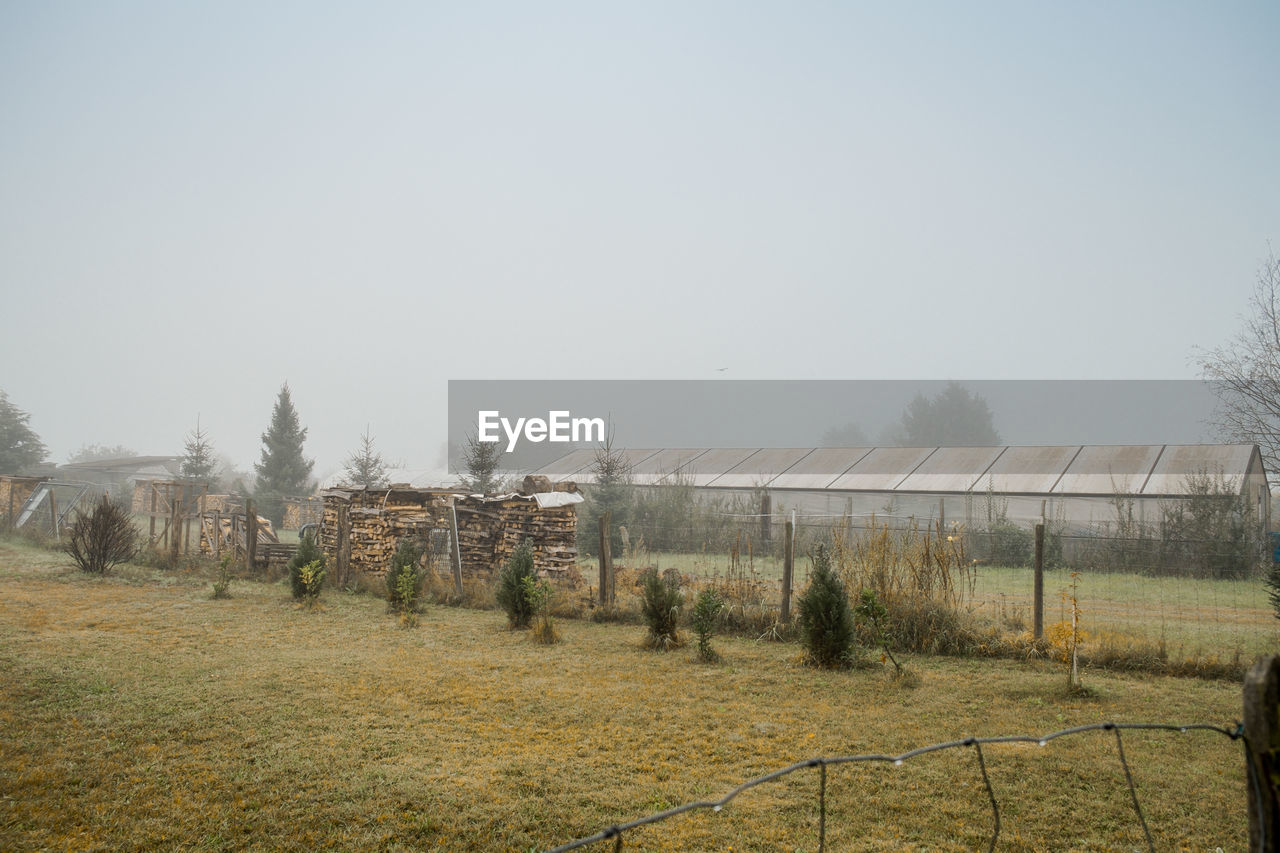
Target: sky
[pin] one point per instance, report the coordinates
(202, 201)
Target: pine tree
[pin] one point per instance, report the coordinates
(953, 417)
(826, 622)
(366, 467)
(20, 447)
(481, 459)
(283, 469)
(197, 459)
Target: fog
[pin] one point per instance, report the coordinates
(200, 202)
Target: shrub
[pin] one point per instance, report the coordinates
(706, 608)
(308, 552)
(222, 586)
(1273, 587)
(826, 623)
(102, 539)
(661, 600)
(512, 595)
(406, 578)
(312, 578)
(876, 616)
(538, 592)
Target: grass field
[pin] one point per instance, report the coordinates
(138, 714)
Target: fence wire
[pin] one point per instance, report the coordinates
(616, 831)
(1167, 600)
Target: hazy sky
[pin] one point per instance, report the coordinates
(199, 201)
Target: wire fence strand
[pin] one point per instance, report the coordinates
(615, 832)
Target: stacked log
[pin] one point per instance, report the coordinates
(300, 511)
(377, 522)
(489, 529)
(14, 493)
(217, 503)
(141, 497)
(225, 534)
(497, 527)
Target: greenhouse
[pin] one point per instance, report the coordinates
(1078, 488)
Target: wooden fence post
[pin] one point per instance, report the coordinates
(175, 528)
(53, 513)
(250, 536)
(1038, 594)
(788, 568)
(1262, 733)
(606, 561)
(766, 518)
(457, 552)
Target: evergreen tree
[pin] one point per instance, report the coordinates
(826, 622)
(481, 459)
(1272, 581)
(308, 552)
(512, 592)
(20, 447)
(954, 417)
(366, 467)
(283, 469)
(197, 458)
(613, 493)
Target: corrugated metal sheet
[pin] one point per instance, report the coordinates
(1104, 469)
(1033, 470)
(882, 468)
(660, 466)
(1059, 470)
(760, 468)
(714, 463)
(950, 469)
(820, 468)
(570, 466)
(1178, 462)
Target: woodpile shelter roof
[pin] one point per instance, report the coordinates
(1147, 470)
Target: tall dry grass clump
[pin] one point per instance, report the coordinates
(921, 576)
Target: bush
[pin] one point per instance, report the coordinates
(312, 578)
(826, 623)
(102, 539)
(706, 608)
(660, 605)
(406, 578)
(512, 594)
(539, 594)
(1273, 587)
(875, 617)
(1009, 545)
(222, 586)
(308, 552)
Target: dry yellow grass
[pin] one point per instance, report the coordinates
(137, 713)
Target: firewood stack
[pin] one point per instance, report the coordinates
(221, 503)
(225, 534)
(489, 529)
(300, 511)
(507, 523)
(14, 492)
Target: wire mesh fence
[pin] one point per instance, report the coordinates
(1136, 596)
(617, 833)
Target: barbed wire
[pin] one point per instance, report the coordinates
(615, 832)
